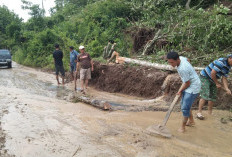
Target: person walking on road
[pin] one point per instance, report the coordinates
(209, 80)
(189, 89)
(58, 56)
(85, 63)
(73, 61)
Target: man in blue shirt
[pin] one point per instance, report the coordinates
(73, 60)
(209, 80)
(189, 89)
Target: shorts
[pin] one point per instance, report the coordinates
(208, 89)
(187, 102)
(60, 68)
(85, 74)
(73, 68)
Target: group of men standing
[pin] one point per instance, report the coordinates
(206, 84)
(82, 62)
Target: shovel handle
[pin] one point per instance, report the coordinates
(170, 110)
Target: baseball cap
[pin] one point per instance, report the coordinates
(81, 47)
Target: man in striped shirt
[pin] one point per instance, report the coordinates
(209, 82)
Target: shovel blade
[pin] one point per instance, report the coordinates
(159, 130)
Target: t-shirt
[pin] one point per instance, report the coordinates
(85, 60)
(188, 73)
(58, 56)
(220, 65)
(73, 57)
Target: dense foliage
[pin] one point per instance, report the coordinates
(201, 31)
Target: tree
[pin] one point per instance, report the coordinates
(10, 26)
(37, 21)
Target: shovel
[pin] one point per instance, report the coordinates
(161, 128)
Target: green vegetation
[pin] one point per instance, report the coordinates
(201, 31)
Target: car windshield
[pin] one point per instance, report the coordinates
(4, 52)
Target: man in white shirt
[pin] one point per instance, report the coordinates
(189, 89)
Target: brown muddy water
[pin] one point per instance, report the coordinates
(37, 122)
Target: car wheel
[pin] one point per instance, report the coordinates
(10, 65)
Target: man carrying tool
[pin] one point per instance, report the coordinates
(73, 60)
(85, 63)
(209, 80)
(189, 89)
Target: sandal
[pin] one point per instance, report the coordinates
(200, 116)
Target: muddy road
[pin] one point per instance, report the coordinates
(35, 121)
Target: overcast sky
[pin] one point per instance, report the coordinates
(15, 5)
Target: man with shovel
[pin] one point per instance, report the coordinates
(209, 79)
(190, 88)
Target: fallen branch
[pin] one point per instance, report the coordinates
(122, 60)
(96, 103)
(187, 4)
(78, 149)
(150, 43)
(155, 65)
(105, 105)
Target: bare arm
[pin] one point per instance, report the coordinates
(225, 84)
(77, 66)
(214, 78)
(183, 87)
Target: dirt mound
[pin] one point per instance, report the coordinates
(144, 82)
(132, 80)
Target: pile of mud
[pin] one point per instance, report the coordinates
(132, 80)
(144, 82)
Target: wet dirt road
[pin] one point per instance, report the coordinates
(37, 122)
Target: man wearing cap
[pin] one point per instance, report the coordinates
(73, 60)
(58, 56)
(209, 80)
(85, 63)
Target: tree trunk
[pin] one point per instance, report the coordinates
(187, 4)
(106, 49)
(154, 65)
(111, 51)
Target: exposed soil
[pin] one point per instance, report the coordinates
(144, 82)
(132, 80)
(140, 37)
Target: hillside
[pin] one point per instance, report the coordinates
(200, 30)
